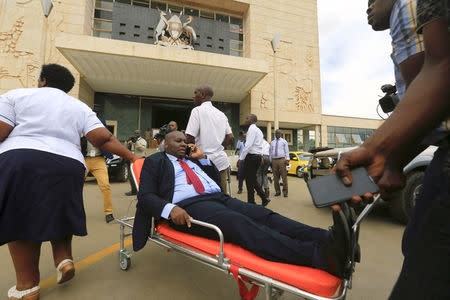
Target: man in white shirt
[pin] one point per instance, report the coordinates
(279, 156)
(209, 129)
(261, 175)
(252, 157)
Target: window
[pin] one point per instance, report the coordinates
(159, 5)
(287, 137)
(102, 34)
(191, 12)
(340, 138)
(356, 139)
(104, 4)
(175, 8)
(143, 3)
(103, 14)
(305, 156)
(223, 18)
(206, 14)
(105, 25)
(124, 1)
(292, 156)
(137, 26)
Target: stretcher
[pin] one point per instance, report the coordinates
(275, 278)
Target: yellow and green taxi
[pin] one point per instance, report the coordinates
(298, 162)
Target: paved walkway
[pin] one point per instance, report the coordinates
(158, 274)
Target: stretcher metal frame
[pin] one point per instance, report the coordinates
(273, 288)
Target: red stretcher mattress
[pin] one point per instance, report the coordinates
(311, 280)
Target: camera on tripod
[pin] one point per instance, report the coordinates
(390, 100)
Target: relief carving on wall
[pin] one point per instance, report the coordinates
(303, 99)
(294, 84)
(19, 67)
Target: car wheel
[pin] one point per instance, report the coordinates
(404, 201)
(299, 172)
(123, 173)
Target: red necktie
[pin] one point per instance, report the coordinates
(191, 177)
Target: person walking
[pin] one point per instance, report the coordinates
(240, 173)
(261, 175)
(137, 145)
(95, 160)
(251, 156)
(279, 157)
(209, 129)
(42, 174)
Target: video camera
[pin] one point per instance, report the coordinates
(132, 139)
(165, 129)
(390, 100)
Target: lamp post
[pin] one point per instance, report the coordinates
(47, 6)
(275, 41)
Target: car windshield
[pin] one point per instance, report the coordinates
(305, 156)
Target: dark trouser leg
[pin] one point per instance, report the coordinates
(276, 174)
(426, 243)
(259, 238)
(283, 173)
(252, 163)
(240, 175)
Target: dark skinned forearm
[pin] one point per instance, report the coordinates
(228, 140)
(102, 138)
(5, 130)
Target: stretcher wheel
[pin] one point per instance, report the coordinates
(124, 261)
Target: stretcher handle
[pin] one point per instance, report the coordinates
(365, 212)
(219, 232)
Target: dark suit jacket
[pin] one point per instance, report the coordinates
(156, 188)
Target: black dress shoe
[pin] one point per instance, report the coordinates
(277, 194)
(265, 202)
(335, 248)
(239, 192)
(285, 195)
(130, 193)
(109, 218)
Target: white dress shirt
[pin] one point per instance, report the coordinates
(183, 190)
(253, 142)
(46, 119)
(209, 126)
(279, 148)
(265, 148)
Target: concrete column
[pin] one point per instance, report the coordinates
(305, 139)
(324, 136)
(269, 131)
(316, 136)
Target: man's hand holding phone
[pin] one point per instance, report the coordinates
(194, 151)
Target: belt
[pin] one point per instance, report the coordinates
(278, 158)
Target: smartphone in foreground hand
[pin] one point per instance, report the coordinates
(329, 190)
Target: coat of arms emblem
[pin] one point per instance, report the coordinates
(173, 32)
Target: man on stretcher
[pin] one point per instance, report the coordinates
(177, 187)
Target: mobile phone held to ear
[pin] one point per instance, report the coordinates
(329, 190)
(188, 151)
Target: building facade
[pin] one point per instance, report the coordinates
(137, 62)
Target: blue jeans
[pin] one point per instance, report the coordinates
(425, 274)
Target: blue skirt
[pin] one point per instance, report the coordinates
(41, 196)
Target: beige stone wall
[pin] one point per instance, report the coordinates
(27, 39)
(297, 64)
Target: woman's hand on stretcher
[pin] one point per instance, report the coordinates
(180, 217)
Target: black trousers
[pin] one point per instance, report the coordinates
(252, 163)
(425, 273)
(255, 228)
